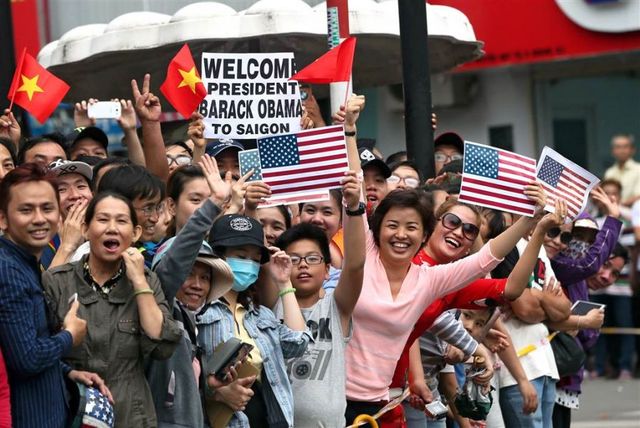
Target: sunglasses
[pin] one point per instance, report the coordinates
(452, 222)
(565, 237)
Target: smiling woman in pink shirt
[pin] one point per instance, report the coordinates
(395, 292)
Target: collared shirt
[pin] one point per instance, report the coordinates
(628, 176)
(31, 353)
(104, 289)
(241, 333)
(275, 341)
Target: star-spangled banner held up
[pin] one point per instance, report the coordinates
(495, 178)
(250, 160)
(564, 179)
(310, 160)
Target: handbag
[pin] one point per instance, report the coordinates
(569, 355)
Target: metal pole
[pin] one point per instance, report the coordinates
(7, 55)
(417, 84)
(337, 30)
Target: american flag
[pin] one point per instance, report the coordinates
(98, 412)
(495, 178)
(250, 160)
(564, 179)
(310, 160)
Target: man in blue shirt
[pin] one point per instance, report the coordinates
(29, 215)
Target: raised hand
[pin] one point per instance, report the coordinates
(280, 268)
(146, 104)
(195, 131)
(134, 262)
(239, 191)
(305, 121)
(257, 193)
(10, 128)
(611, 207)
(81, 115)
(351, 190)
(220, 189)
(127, 119)
(536, 193)
(71, 231)
(554, 219)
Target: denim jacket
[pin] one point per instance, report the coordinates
(275, 341)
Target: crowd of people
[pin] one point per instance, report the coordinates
(125, 278)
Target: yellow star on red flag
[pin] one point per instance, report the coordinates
(189, 78)
(30, 85)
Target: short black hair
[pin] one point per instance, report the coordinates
(91, 207)
(409, 164)
(132, 182)
(620, 251)
(11, 148)
(29, 143)
(409, 198)
(305, 231)
(396, 157)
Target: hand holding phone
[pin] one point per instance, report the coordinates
(104, 110)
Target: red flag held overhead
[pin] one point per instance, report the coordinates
(183, 87)
(35, 89)
(334, 66)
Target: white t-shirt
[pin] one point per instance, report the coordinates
(541, 361)
(318, 377)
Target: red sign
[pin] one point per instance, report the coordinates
(526, 31)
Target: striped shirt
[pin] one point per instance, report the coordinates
(31, 353)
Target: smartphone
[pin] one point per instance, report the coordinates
(226, 356)
(73, 298)
(582, 307)
(104, 110)
(436, 410)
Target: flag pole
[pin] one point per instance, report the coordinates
(337, 31)
(16, 76)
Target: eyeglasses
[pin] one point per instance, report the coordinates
(452, 222)
(179, 160)
(565, 237)
(312, 259)
(149, 210)
(441, 157)
(408, 181)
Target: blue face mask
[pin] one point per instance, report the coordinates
(245, 273)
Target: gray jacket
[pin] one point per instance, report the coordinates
(176, 396)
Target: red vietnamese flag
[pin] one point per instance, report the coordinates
(35, 89)
(334, 66)
(183, 87)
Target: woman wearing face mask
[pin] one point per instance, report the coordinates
(264, 400)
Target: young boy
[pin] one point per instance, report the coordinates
(318, 377)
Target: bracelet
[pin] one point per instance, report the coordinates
(286, 291)
(143, 291)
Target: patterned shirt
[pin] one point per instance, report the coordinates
(104, 289)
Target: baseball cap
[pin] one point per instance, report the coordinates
(221, 274)
(234, 230)
(63, 167)
(367, 158)
(585, 221)
(451, 139)
(216, 147)
(92, 132)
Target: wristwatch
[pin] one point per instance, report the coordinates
(359, 211)
(350, 133)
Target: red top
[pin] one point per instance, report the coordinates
(473, 296)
